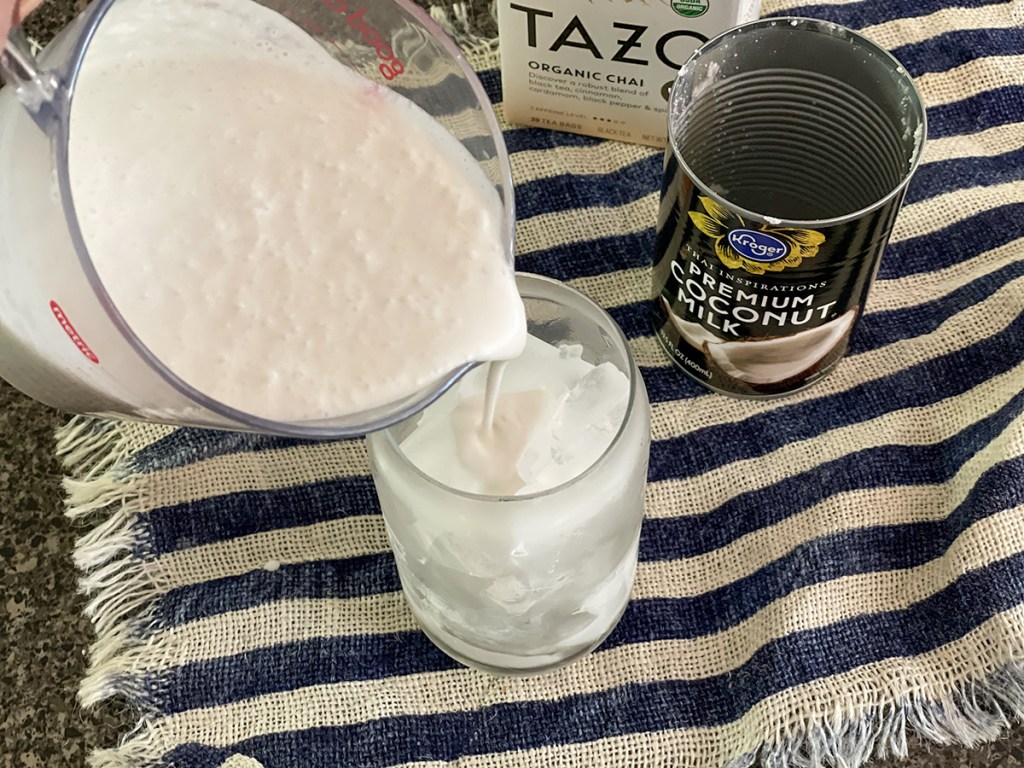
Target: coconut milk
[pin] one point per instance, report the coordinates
(290, 239)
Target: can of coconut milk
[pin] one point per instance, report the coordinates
(791, 144)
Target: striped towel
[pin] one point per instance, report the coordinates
(818, 574)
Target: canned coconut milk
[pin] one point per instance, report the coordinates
(791, 144)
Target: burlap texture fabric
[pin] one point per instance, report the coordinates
(818, 574)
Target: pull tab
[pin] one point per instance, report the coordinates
(36, 89)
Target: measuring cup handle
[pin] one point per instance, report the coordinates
(36, 88)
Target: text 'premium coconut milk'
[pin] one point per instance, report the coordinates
(603, 67)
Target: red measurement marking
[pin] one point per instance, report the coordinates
(390, 65)
(69, 329)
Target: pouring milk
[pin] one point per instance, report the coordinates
(287, 237)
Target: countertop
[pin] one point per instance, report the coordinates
(45, 636)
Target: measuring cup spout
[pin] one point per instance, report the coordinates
(37, 89)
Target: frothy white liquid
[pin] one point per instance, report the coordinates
(554, 415)
(287, 237)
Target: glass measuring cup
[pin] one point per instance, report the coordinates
(63, 340)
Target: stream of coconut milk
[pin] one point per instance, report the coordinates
(492, 431)
(524, 426)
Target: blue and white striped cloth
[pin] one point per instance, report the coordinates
(818, 574)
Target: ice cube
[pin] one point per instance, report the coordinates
(537, 366)
(432, 448)
(585, 424)
(536, 456)
(571, 351)
(510, 593)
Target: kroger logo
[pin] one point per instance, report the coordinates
(757, 246)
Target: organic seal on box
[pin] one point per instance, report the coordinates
(603, 67)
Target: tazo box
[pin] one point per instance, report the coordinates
(604, 67)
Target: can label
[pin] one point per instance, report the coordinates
(757, 307)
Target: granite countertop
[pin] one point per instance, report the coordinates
(45, 637)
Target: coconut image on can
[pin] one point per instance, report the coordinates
(769, 363)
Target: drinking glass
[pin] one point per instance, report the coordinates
(523, 584)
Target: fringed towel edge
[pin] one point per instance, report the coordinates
(100, 481)
(975, 711)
